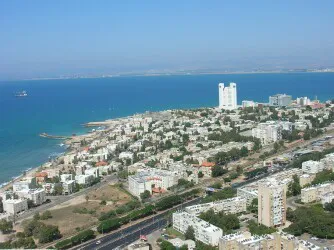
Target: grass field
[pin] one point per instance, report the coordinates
(82, 214)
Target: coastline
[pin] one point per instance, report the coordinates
(67, 141)
(172, 74)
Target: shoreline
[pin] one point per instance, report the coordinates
(66, 141)
(167, 74)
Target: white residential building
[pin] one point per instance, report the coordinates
(37, 196)
(327, 198)
(228, 96)
(247, 104)
(13, 207)
(268, 132)
(93, 171)
(312, 167)
(229, 206)
(272, 203)
(84, 179)
(315, 193)
(126, 155)
(204, 231)
(303, 101)
(280, 100)
(66, 177)
(25, 183)
(152, 179)
(68, 187)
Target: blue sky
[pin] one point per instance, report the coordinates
(48, 38)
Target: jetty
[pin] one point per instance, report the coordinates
(58, 137)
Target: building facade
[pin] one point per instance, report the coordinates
(280, 100)
(272, 203)
(228, 96)
(204, 231)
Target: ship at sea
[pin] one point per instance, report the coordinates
(21, 94)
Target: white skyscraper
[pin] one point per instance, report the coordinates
(228, 96)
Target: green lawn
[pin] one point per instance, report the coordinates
(172, 232)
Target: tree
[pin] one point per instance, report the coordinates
(190, 233)
(226, 193)
(218, 171)
(244, 152)
(253, 207)
(329, 206)
(166, 245)
(87, 198)
(58, 189)
(36, 216)
(46, 215)
(312, 220)
(48, 233)
(217, 185)
(6, 226)
(184, 247)
(145, 195)
(123, 174)
(227, 222)
(26, 243)
(254, 228)
(200, 174)
(294, 187)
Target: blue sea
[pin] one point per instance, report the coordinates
(60, 107)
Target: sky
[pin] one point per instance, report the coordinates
(50, 38)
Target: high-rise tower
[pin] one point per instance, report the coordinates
(228, 96)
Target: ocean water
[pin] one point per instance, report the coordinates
(60, 107)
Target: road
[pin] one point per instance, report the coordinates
(131, 233)
(56, 200)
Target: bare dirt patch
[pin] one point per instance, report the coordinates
(79, 213)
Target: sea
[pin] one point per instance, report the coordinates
(60, 107)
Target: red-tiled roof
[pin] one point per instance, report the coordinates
(101, 163)
(208, 164)
(41, 174)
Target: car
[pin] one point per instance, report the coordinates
(98, 242)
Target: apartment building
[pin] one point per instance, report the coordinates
(152, 178)
(272, 203)
(228, 96)
(229, 206)
(243, 241)
(204, 231)
(315, 193)
(25, 183)
(84, 179)
(312, 167)
(280, 100)
(268, 132)
(37, 196)
(306, 179)
(16, 206)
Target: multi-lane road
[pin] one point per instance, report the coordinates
(129, 234)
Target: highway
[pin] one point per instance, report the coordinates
(129, 234)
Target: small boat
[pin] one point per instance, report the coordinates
(21, 94)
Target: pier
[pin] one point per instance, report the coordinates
(57, 137)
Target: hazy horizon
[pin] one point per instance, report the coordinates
(49, 39)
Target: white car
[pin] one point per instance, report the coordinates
(98, 242)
